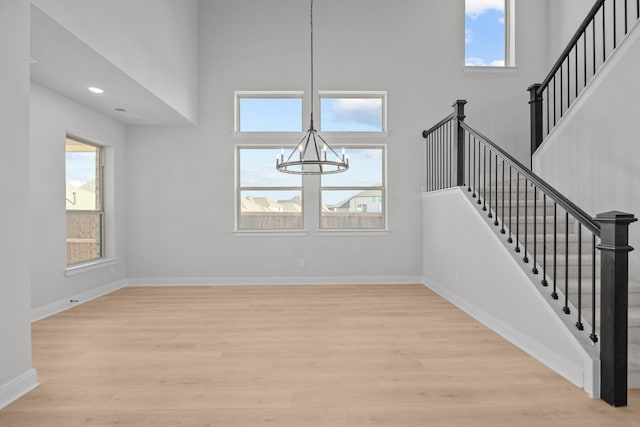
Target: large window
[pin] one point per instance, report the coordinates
(355, 200)
(266, 199)
(84, 201)
(488, 33)
(353, 111)
(268, 111)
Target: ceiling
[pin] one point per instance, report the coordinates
(65, 64)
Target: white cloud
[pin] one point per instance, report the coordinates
(468, 36)
(474, 8)
(498, 63)
(474, 62)
(364, 111)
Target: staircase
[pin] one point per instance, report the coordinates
(572, 253)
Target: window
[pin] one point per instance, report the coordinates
(355, 199)
(84, 201)
(266, 199)
(353, 111)
(268, 111)
(488, 33)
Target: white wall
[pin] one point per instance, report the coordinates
(180, 196)
(484, 279)
(565, 16)
(154, 41)
(16, 374)
(593, 155)
(52, 117)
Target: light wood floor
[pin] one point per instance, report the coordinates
(303, 356)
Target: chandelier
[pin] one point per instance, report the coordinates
(313, 155)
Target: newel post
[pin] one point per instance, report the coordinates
(459, 113)
(614, 306)
(535, 105)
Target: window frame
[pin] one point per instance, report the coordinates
(509, 41)
(100, 161)
(383, 188)
(239, 189)
(373, 94)
(283, 94)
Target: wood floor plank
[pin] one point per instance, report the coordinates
(312, 356)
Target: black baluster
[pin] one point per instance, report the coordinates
(484, 177)
(474, 167)
(561, 91)
(450, 157)
(554, 294)
(469, 165)
(555, 102)
(566, 308)
(593, 31)
(615, 19)
(575, 46)
(518, 212)
(525, 259)
(490, 214)
(604, 37)
(510, 239)
(579, 324)
(502, 230)
(496, 223)
(479, 172)
(534, 270)
(626, 25)
(593, 336)
(568, 81)
(584, 57)
(548, 96)
(544, 242)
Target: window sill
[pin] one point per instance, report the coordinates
(293, 136)
(270, 233)
(74, 270)
(345, 233)
(487, 69)
(354, 135)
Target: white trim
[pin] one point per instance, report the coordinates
(490, 69)
(269, 233)
(18, 387)
(587, 378)
(289, 138)
(76, 269)
(542, 353)
(284, 280)
(355, 136)
(356, 232)
(295, 94)
(66, 303)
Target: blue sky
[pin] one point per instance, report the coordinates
(258, 170)
(484, 32)
(80, 168)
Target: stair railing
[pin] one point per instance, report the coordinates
(598, 36)
(513, 196)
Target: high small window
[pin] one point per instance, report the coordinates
(84, 201)
(356, 199)
(268, 111)
(488, 33)
(266, 199)
(353, 111)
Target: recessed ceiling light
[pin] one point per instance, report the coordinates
(95, 89)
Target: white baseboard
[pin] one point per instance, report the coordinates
(303, 280)
(73, 300)
(18, 387)
(555, 361)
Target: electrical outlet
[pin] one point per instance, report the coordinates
(301, 263)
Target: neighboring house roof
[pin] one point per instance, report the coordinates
(363, 193)
(79, 198)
